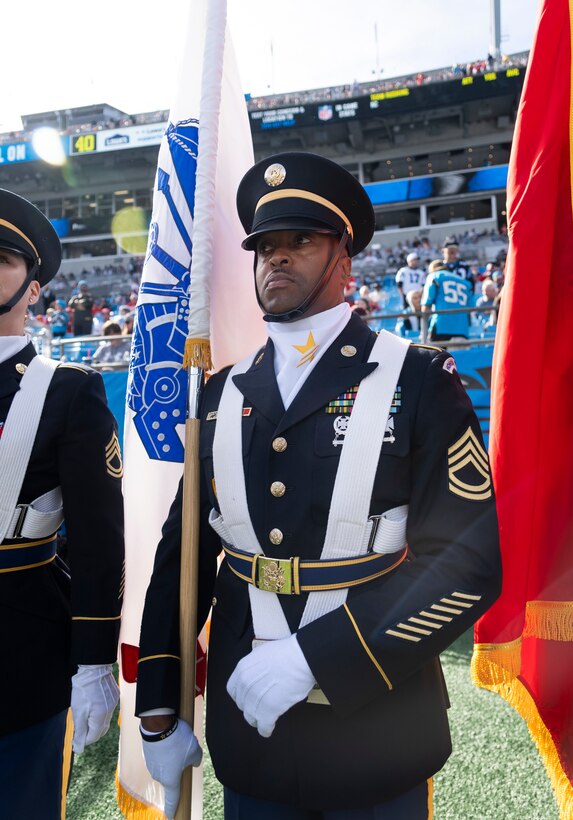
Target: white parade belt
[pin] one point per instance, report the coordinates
(349, 527)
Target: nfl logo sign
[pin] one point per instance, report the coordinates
(325, 112)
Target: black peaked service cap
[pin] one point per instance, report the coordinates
(24, 229)
(302, 191)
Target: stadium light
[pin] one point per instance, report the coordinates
(48, 146)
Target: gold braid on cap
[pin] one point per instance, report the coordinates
(297, 193)
(20, 233)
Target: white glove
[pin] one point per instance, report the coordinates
(268, 681)
(95, 695)
(165, 760)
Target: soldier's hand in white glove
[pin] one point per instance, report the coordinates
(269, 681)
(166, 755)
(95, 695)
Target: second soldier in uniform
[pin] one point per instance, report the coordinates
(59, 459)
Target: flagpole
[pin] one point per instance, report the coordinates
(188, 590)
(197, 359)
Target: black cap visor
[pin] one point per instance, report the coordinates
(287, 223)
(6, 245)
(25, 229)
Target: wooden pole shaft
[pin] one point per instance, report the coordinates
(188, 595)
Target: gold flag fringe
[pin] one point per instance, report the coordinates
(135, 809)
(496, 667)
(496, 663)
(549, 620)
(197, 354)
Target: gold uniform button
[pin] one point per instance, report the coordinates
(279, 444)
(348, 350)
(214, 601)
(278, 489)
(21, 368)
(275, 537)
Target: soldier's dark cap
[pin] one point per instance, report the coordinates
(25, 230)
(302, 191)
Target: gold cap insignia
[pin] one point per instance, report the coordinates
(468, 468)
(275, 175)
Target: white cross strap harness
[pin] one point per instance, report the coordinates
(350, 533)
(44, 515)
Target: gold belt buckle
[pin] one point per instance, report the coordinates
(273, 574)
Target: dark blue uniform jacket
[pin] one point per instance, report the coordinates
(376, 658)
(58, 615)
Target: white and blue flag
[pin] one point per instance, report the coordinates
(157, 390)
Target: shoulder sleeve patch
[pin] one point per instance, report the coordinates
(468, 468)
(450, 365)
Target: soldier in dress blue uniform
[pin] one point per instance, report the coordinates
(325, 695)
(59, 459)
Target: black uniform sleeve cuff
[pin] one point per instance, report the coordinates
(353, 682)
(158, 683)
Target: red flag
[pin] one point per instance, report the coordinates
(524, 643)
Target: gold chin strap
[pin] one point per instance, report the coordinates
(298, 193)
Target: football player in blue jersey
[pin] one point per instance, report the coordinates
(445, 290)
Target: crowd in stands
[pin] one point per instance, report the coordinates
(396, 288)
(388, 288)
(124, 121)
(357, 89)
(84, 315)
(354, 89)
(101, 278)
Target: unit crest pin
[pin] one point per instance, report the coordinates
(275, 175)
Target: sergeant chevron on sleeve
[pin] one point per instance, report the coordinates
(59, 461)
(345, 478)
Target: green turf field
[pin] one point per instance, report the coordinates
(494, 772)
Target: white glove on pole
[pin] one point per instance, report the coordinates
(95, 695)
(268, 681)
(167, 757)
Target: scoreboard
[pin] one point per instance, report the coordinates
(83, 144)
(393, 101)
(115, 139)
(399, 100)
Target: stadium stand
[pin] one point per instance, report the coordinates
(431, 149)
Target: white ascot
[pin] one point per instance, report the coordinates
(10, 345)
(300, 345)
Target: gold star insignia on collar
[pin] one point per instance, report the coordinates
(308, 350)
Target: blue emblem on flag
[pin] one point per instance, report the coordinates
(157, 388)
